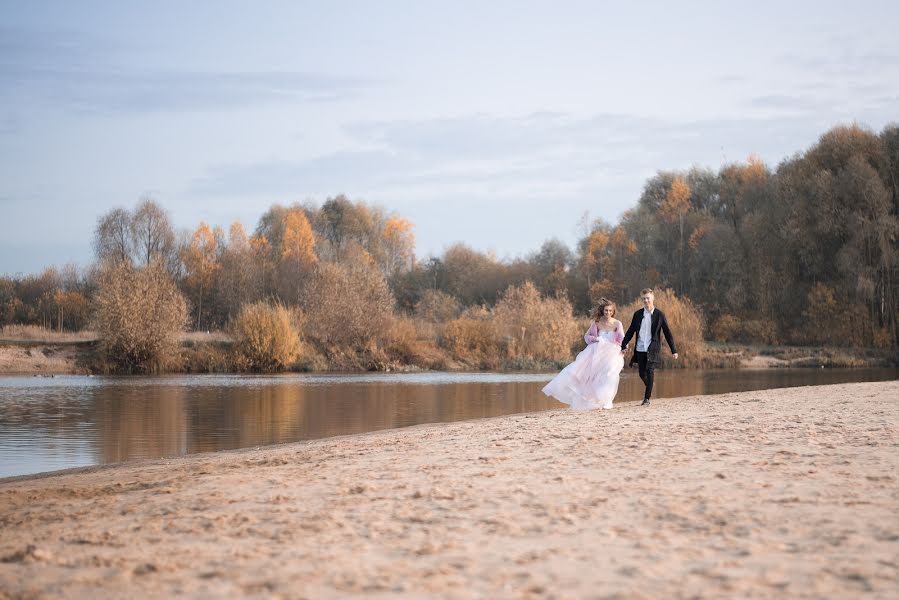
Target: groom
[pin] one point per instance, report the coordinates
(647, 323)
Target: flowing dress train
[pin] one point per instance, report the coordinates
(591, 381)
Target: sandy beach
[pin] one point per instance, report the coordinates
(778, 493)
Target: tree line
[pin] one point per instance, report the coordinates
(802, 253)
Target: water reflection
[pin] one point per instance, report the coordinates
(48, 424)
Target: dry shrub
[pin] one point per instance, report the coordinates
(347, 307)
(207, 357)
(830, 320)
(410, 342)
(437, 307)
(685, 321)
(758, 331)
(728, 328)
(535, 328)
(882, 339)
(36, 333)
(138, 315)
(472, 338)
(266, 337)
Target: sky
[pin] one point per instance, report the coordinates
(497, 124)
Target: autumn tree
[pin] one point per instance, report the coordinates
(139, 237)
(238, 279)
(112, 236)
(399, 245)
(673, 211)
(153, 238)
(550, 267)
(298, 256)
(200, 260)
(348, 306)
(341, 221)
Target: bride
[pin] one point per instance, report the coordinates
(591, 381)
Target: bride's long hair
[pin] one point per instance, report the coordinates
(599, 310)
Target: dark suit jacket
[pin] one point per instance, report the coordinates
(659, 324)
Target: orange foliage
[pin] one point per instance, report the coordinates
(595, 253)
(399, 244)
(200, 256)
(677, 202)
(298, 243)
(696, 236)
(237, 237)
(200, 261)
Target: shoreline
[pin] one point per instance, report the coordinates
(49, 358)
(765, 493)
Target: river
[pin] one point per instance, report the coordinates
(50, 423)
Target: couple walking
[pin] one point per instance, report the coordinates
(591, 381)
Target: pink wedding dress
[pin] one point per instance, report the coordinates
(591, 381)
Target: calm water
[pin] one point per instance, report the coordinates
(70, 421)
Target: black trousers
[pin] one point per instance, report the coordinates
(647, 372)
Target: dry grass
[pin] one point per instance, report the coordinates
(34, 333)
(266, 337)
(472, 339)
(535, 328)
(524, 331)
(202, 337)
(207, 357)
(728, 328)
(411, 342)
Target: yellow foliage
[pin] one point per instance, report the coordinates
(399, 244)
(260, 245)
(237, 237)
(200, 256)
(298, 243)
(596, 245)
(755, 168)
(677, 201)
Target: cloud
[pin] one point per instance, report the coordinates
(71, 71)
(784, 102)
(322, 174)
(729, 79)
(843, 63)
(487, 137)
(509, 159)
(125, 92)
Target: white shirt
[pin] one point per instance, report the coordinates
(644, 338)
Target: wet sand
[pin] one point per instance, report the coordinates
(778, 493)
